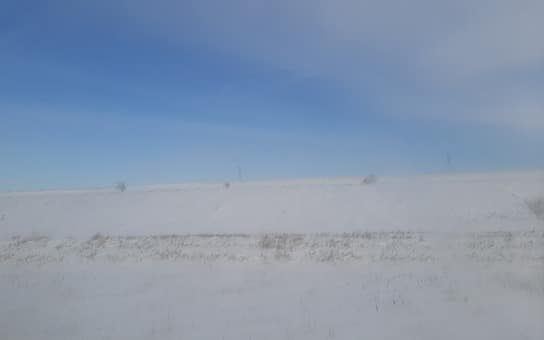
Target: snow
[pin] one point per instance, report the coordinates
(469, 202)
(274, 301)
(415, 257)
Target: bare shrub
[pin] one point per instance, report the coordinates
(269, 241)
(227, 185)
(281, 241)
(33, 237)
(121, 186)
(536, 206)
(370, 179)
(282, 255)
(98, 239)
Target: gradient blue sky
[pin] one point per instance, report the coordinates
(173, 91)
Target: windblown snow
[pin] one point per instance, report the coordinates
(421, 257)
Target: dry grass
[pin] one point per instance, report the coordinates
(536, 206)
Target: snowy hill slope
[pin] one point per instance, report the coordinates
(423, 257)
(463, 202)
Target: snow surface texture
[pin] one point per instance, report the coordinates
(428, 257)
(474, 202)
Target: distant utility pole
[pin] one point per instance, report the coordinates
(239, 174)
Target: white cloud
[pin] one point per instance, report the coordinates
(477, 50)
(523, 112)
(498, 36)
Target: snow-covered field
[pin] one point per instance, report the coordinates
(421, 257)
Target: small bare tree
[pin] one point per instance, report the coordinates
(121, 186)
(370, 179)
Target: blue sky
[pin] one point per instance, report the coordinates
(174, 91)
